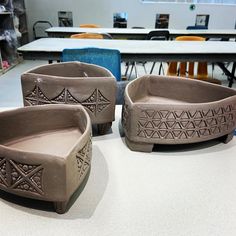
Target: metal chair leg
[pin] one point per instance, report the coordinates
(153, 65)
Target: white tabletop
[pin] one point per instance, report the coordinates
(130, 31)
(176, 191)
(133, 46)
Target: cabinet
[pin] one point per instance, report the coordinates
(20, 21)
(8, 41)
(13, 32)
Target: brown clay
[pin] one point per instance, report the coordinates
(173, 110)
(73, 83)
(45, 152)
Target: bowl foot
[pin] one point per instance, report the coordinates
(140, 147)
(103, 128)
(60, 207)
(227, 138)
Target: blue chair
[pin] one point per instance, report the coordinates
(108, 58)
(197, 27)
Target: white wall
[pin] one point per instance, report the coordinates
(139, 14)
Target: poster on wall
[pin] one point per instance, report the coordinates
(202, 20)
(120, 20)
(162, 21)
(65, 19)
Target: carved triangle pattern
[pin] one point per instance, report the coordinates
(21, 176)
(96, 102)
(164, 124)
(65, 97)
(83, 157)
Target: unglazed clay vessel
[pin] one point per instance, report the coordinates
(172, 110)
(75, 83)
(45, 152)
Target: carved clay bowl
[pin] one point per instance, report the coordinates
(172, 110)
(45, 152)
(74, 83)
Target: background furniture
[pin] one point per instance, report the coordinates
(196, 27)
(128, 33)
(89, 26)
(185, 69)
(158, 35)
(8, 38)
(86, 36)
(20, 19)
(140, 50)
(108, 58)
(39, 28)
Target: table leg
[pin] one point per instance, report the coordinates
(230, 75)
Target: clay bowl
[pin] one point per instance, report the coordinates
(74, 83)
(45, 152)
(174, 110)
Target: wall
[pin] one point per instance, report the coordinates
(139, 14)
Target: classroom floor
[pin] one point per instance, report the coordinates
(10, 86)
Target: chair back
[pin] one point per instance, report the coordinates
(185, 69)
(86, 36)
(158, 35)
(39, 28)
(89, 26)
(197, 27)
(108, 58)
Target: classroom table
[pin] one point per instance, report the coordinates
(129, 33)
(140, 50)
(176, 190)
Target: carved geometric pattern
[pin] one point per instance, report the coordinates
(125, 116)
(65, 97)
(3, 172)
(21, 176)
(37, 97)
(95, 103)
(83, 157)
(165, 124)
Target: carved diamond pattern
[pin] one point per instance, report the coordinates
(26, 177)
(83, 157)
(164, 124)
(21, 176)
(37, 97)
(96, 103)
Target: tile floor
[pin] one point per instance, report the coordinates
(10, 86)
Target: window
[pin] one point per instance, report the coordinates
(193, 1)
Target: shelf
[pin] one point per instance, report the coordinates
(3, 71)
(5, 13)
(7, 51)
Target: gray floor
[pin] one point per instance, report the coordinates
(10, 86)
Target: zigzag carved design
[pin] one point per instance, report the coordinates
(165, 124)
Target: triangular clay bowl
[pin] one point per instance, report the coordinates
(174, 110)
(45, 152)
